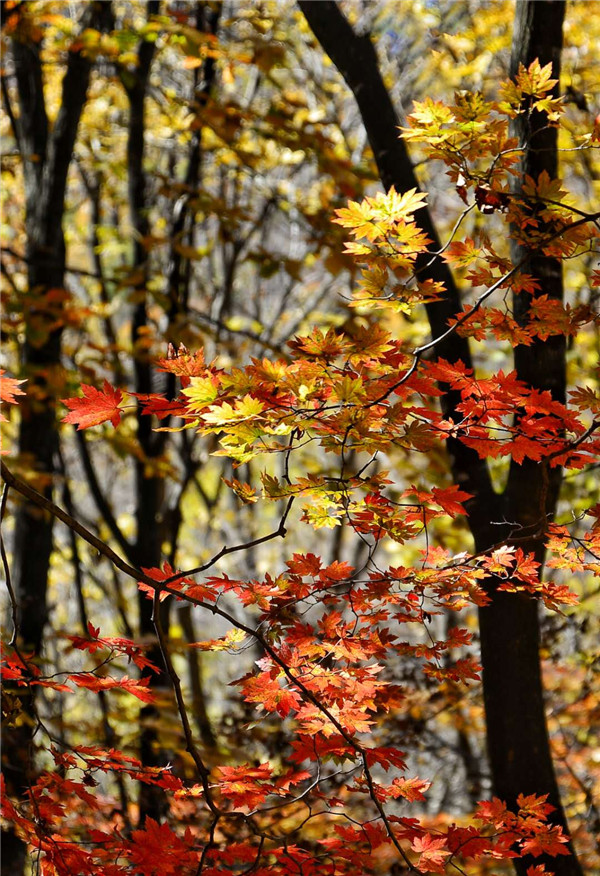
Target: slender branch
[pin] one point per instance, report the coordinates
(47, 505)
(109, 732)
(99, 498)
(5, 564)
(9, 112)
(279, 532)
(203, 771)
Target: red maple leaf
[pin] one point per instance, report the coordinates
(432, 853)
(548, 841)
(410, 789)
(245, 785)
(451, 499)
(158, 849)
(97, 406)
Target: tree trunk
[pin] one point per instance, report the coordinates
(149, 488)
(517, 736)
(46, 159)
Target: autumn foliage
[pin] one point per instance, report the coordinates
(327, 422)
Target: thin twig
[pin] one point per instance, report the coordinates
(9, 587)
(202, 769)
(279, 532)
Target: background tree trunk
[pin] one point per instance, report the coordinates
(46, 156)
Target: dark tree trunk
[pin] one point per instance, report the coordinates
(517, 736)
(46, 156)
(355, 58)
(179, 277)
(149, 487)
(179, 274)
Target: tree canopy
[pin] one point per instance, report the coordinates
(301, 524)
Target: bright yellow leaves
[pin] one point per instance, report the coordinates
(530, 90)
(246, 408)
(202, 391)
(374, 217)
(388, 242)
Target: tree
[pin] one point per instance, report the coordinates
(346, 655)
(513, 693)
(46, 157)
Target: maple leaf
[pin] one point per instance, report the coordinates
(155, 405)
(532, 81)
(246, 408)
(410, 789)
(432, 853)
(97, 406)
(157, 849)
(138, 687)
(552, 841)
(402, 205)
(451, 499)
(386, 757)
(467, 842)
(130, 649)
(244, 492)
(231, 641)
(266, 691)
(304, 564)
(201, 392)
(9, 388)
(320, 345)
(336, 571)
(183, 363)
(462, 253)
(158, 575)
(180, 583)
(531, 804)
(492, 812)
(244, 785)
(358, 217)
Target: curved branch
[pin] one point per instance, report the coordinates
(99, 498)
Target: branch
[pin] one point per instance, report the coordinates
(47, 505)
(202, 769)
(99, 498)
(21, 487)
(279, 532)
(9, 112)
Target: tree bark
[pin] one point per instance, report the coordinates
(517, 736)
(46, 156)
(149, 488)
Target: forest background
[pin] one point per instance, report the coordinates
(201, 267)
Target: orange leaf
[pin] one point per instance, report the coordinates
(9, 388)
(138, 687)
